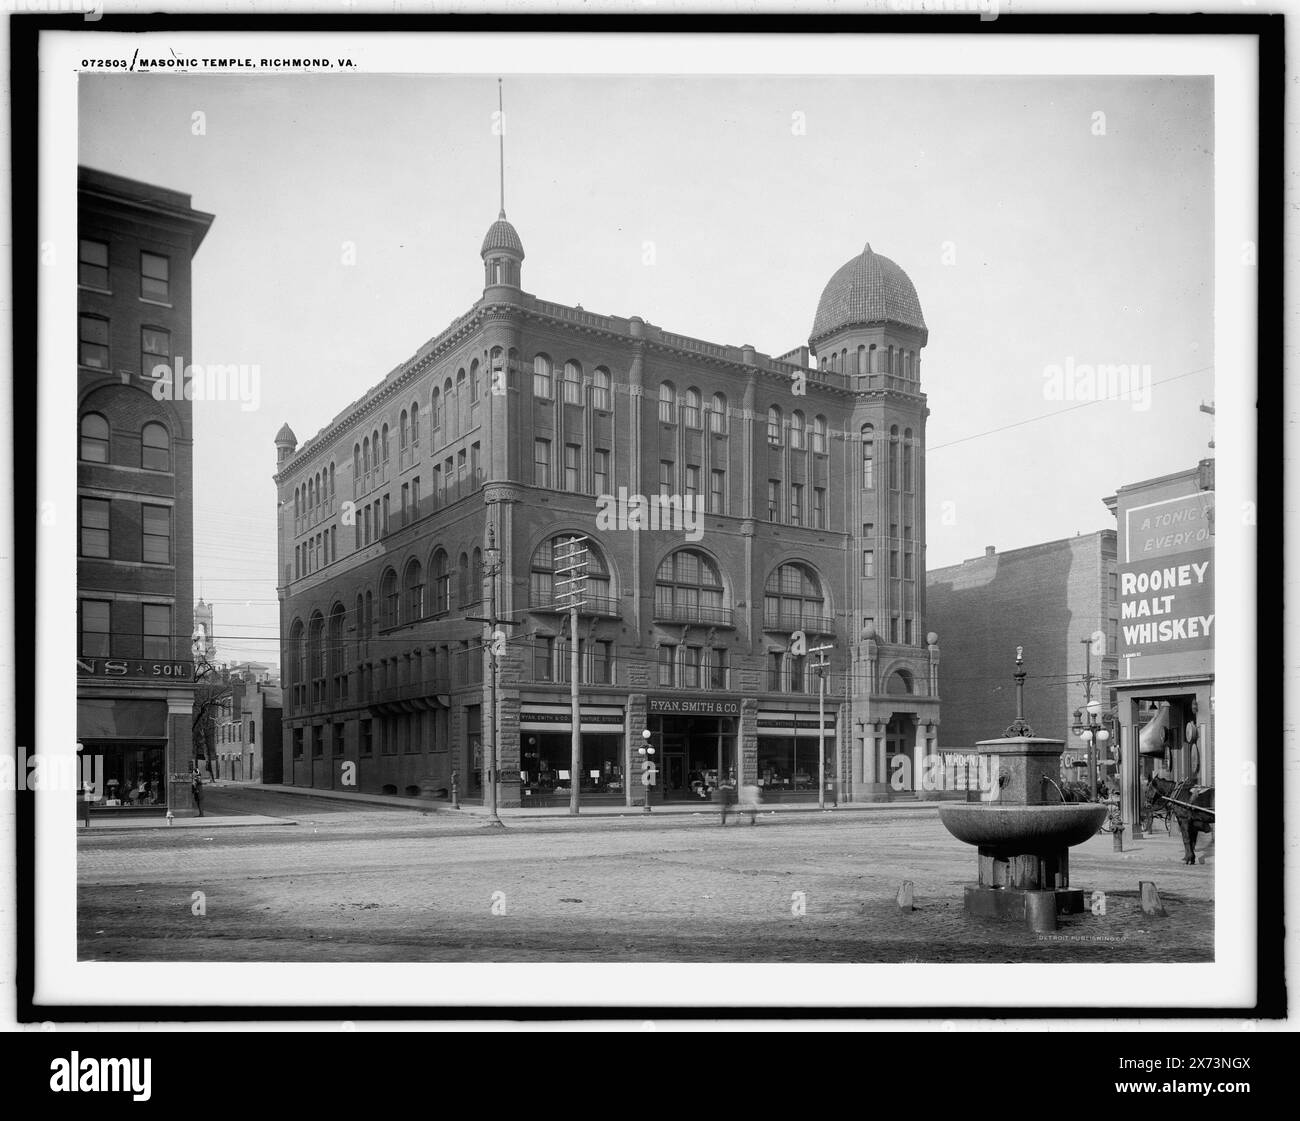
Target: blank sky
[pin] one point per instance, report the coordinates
(1032, 241)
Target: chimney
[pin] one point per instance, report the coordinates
(990, 550)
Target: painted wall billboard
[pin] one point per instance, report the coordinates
(1166, 585)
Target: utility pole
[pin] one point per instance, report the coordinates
(491, 569)
(571, 572)
(821, 666)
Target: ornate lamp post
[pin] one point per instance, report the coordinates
(492, 566)
(1093, 734)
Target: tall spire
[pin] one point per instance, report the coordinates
(501, 137)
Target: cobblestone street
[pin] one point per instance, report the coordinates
(373, 884)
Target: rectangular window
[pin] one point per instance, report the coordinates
(475, 470)
(572, 453)
(908, 573)
(366, 519)
(297, 743)
(317, 741)
(407, 518)
(893, 629)
(156, 627)
(868, 621)
(774, 672)
(868, 469)
(367, 746)
(153, 277)
(385, 508)
(691, 662)
(718, 668)
(869, 563)
(907, 632)
(157, 541)
(338, 739)
(691, 415)
(600, 468)
(665, 477)
(572, 384)
(92, 264)
(893, 465)
(1112, 586)
(542, 463)
(718, 492)
(94, 527)
(819, 507)
(773, 499)
(543, 658)
(893, 563)
(92, 342)
(799, 673)
(96, 627)
(415, 497)
(155, 350)
(692, 481)
(667, 665)
(796, 504)
(602, 661)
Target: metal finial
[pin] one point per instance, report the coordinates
(1020, 727)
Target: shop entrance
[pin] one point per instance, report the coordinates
(898, 743)
(698, 755)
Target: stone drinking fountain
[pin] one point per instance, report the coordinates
(1023, 827)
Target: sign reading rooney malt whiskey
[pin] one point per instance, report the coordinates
(1166, 579)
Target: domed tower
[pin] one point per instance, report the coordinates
(867, 336)
(503, 254)
(285, 443)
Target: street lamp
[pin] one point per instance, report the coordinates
(647, 765)
(1094, 735)
(820, 667)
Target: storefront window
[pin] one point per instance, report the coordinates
(127, 775)
(788, 764)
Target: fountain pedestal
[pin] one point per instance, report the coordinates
(1023, 831)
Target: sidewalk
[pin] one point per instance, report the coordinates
(105, 824)
(475, 809)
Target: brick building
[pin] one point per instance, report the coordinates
(526, 423)
(249, 731)
(1059, 600)
(134, 487)
(1164, 692)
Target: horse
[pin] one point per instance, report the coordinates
(1194, 810)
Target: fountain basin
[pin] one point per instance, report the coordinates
(1014, 830)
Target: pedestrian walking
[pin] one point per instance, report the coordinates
(726, 796)
(198, 792)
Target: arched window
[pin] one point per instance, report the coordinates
(572, 383)
(774, 426)
(415, 424)
(545, 585)
(155, 448)
(718, 414)
(356, 462)
(462, 403)
(688, 589)
(388, 606)
(441, 583)
(667, 402)
(872, 360)
(907, 459)
(542, 376)
(796, 429)
(331, 488)
(819, 434)
(413, 591)
(476, 575)
(384, 442)
(298, 661)
(404, 431)
(316, 668)
(360, 623)
(868, 457)
(435, 410)
(94, 438)
(793, 600)
(600, 389)
(338, 672)
(365, 454)
(893, 457)
(462, 580)
(862, 360)
(475, 382)
(512, 370)
(693, 417)
(899, 683)
(311, 494)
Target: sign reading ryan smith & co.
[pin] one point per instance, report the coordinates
(134, 669)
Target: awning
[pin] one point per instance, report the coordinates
(105, 719)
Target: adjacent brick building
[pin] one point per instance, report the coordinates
(1059, 600)
(1164, 693)
(526, 423)
(134, 486)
